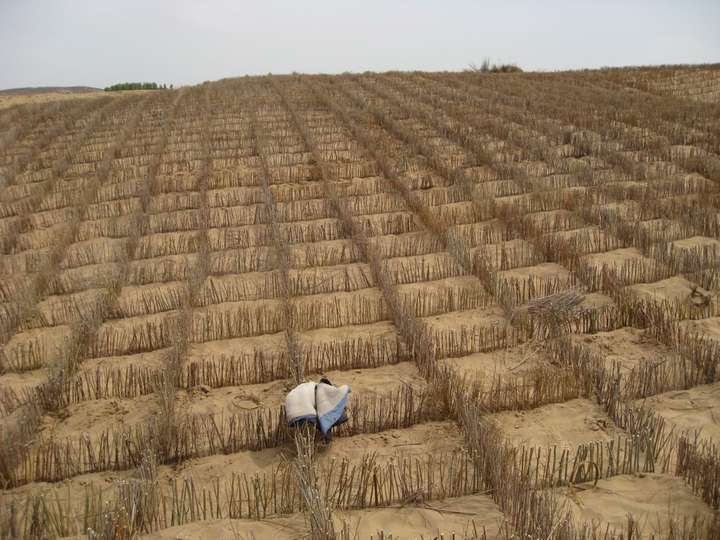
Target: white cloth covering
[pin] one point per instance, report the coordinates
(322, 404)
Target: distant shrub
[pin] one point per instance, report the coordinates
(136, 86)
(506, 68)
(487, 67)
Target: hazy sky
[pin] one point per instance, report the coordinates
(100, 42)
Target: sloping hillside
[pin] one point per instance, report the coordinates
(517, 275)
(49, 90)
(697, 83)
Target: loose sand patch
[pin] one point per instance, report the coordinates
(94, 417)
(649, 498)
(693, 410)
(237, 399)
(281, 528)
(709, 328)
(616, 258)
(461, 515)
(10, 100)
(423, 440)
(676, 289)
(698, 243)
(509, 363)
(540, 273)
(565, 425)
(630, 347)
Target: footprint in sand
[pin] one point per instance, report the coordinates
(246, 403)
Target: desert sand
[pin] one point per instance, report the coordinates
(515, 273)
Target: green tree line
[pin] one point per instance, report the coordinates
(137, 86)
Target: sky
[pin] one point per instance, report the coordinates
(101, 42)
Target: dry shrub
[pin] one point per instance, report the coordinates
(317, 508)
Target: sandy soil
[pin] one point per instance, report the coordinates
(328, 252)
(205, 470)
(543, 220)
(238, 287)
(565, 425)
(429, 438)
(237, 319)
(168, 202)
(650, 498)
(709, 328)
(237, 347)
(376, 343)
(66, 309)
(421, 440)
(86, 277)
(405, 245)
(167, 244)
(152, 360)
(510, 254)
(23, 381)
(160, 269)
(149, 299)
(250, 397)
(694, 410)
(428, 267)
(484, 232)
(367, 185)
(460, 515)
(24, 262)
(233, 399)
(588, 239)
(676, 289)
(339, 278)
(45, 346)
(377, 380)
(456, 212)
(509, 201)
(623, 210)
(498, 188)
(597, 301)
(94, 251)
(71, 491)
(284, 528)
(540, 273)
(44, 237)
(428, 298)
(615, 258)
(697, 242)
(345, 328)
(7, 100)
(629, 347)
(311, 231)
(94, 417)
(460, 333)
(505, 363)
(131, 335)
(332, 310)
(662, 229)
